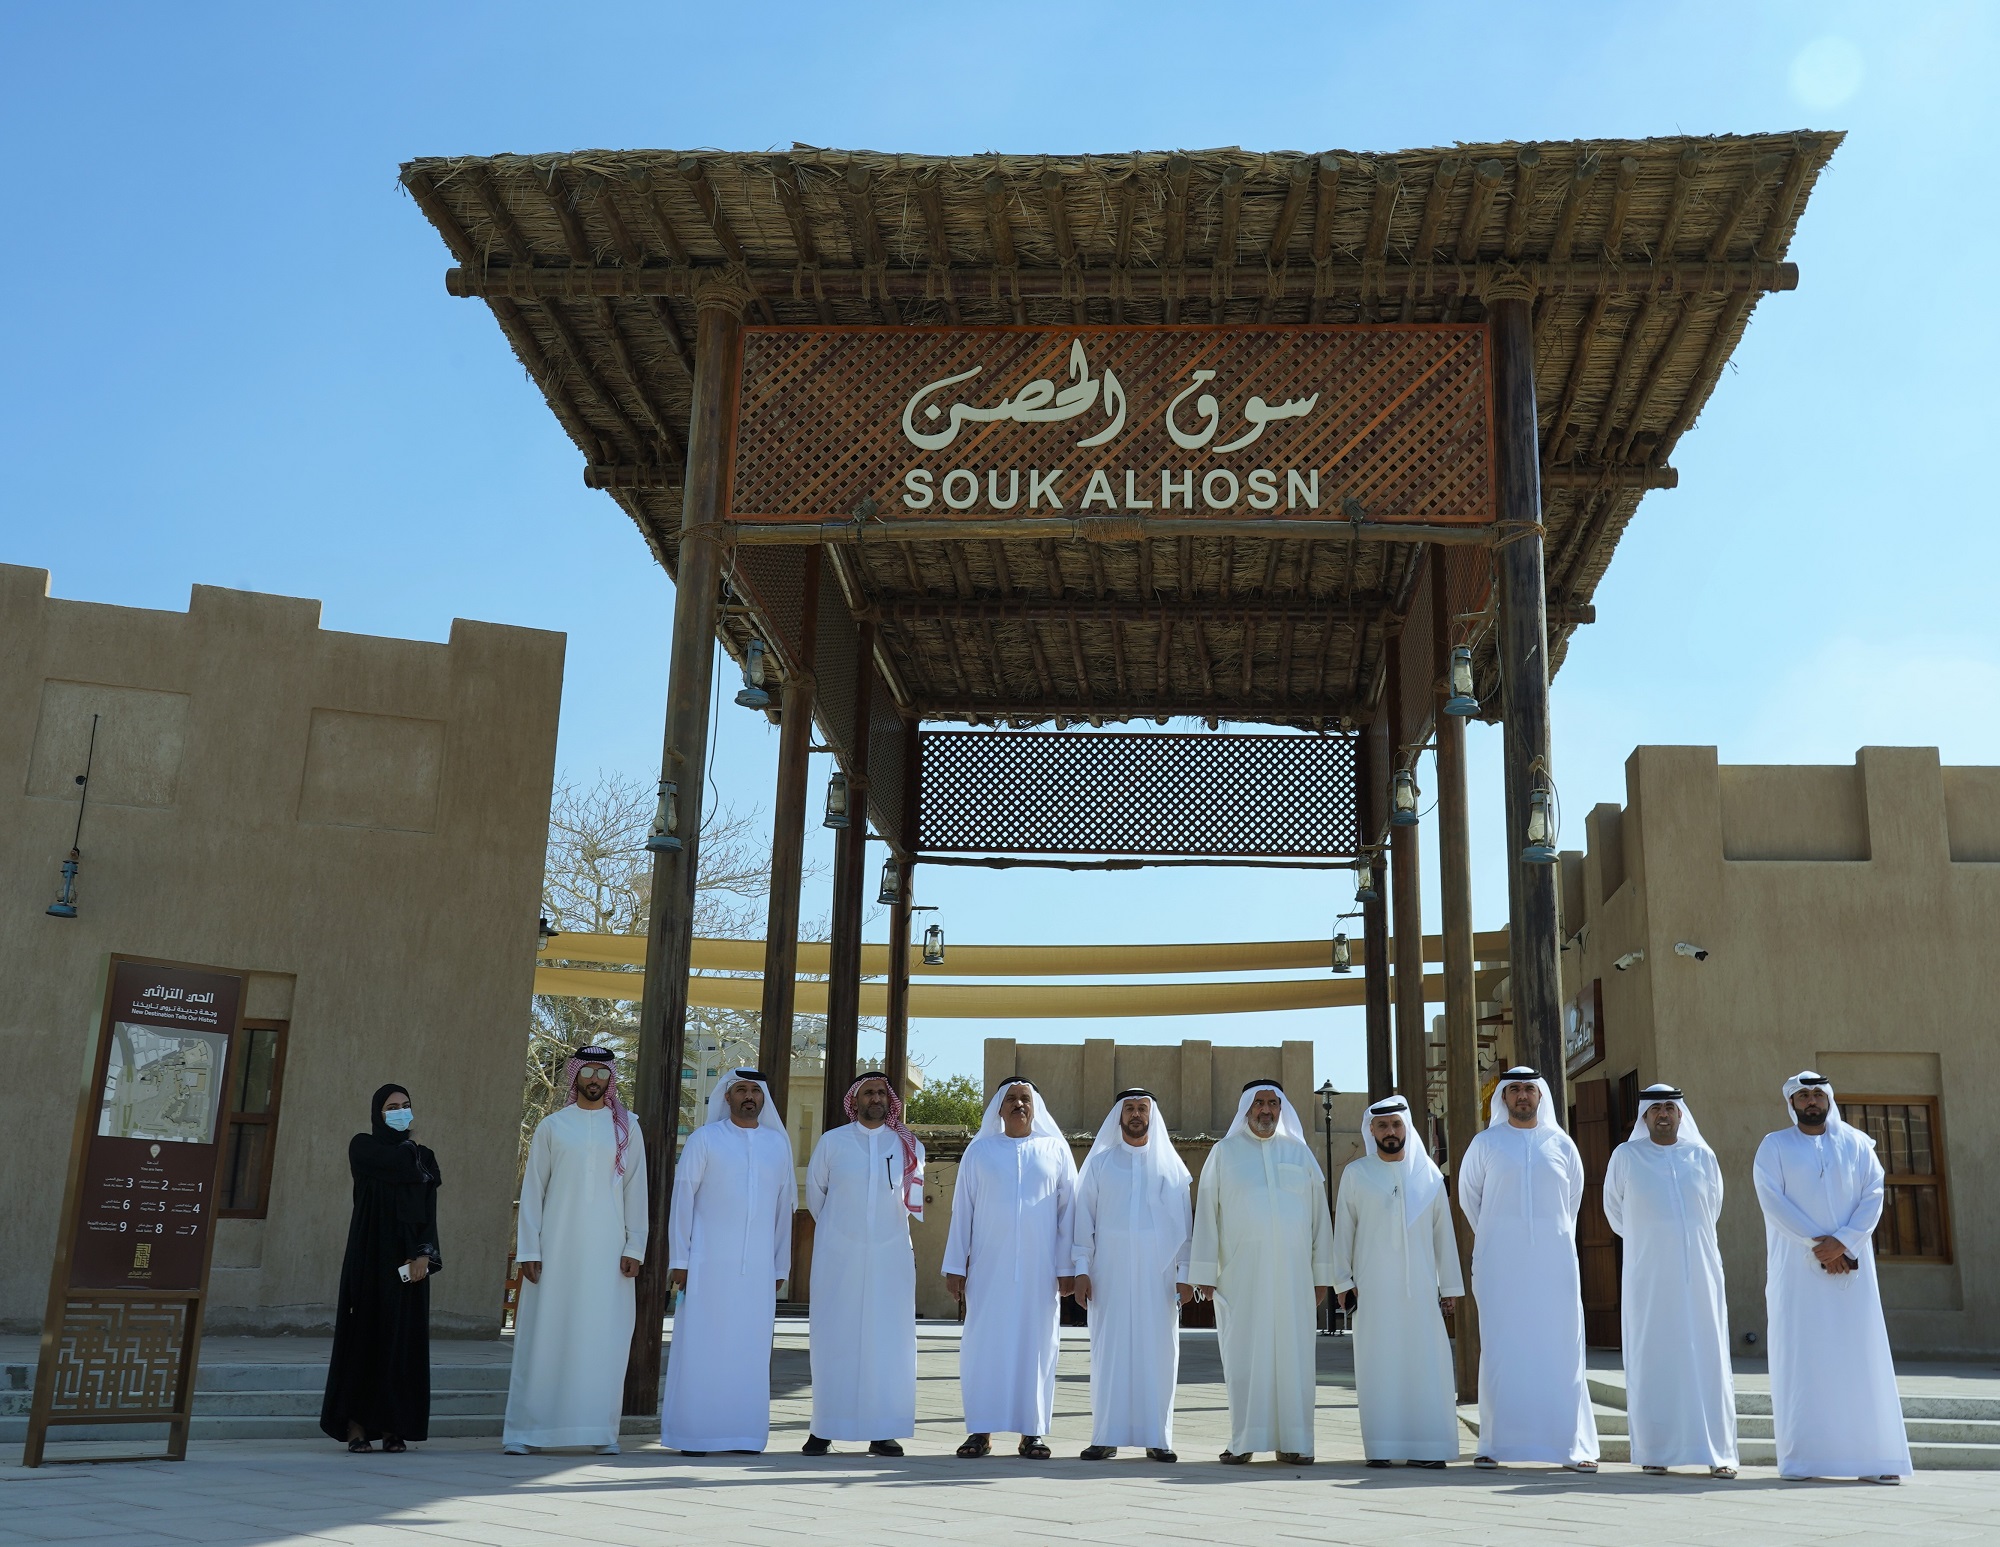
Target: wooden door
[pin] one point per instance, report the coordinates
(1596, 1245)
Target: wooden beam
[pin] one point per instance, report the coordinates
(1762, 170)
(523, 282)
(1173, 261)
(781, 929)
(930, 200)
(1222, 273)
(1805, 156)
(1326, 196)
(1367, 604)
(1372, 802)
(1687, 166)
(867, 236)
(696, 177)
(1298, 181)
(786, 178)
(1121, 530)
(1485, 188)
(1527, 167)
(1621, 207)
(1121, 252)
(1582, 177)
(653, 202)
(1053, 185)
(1608, 475)
(1005, 265)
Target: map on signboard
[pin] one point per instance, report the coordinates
(162, 1084)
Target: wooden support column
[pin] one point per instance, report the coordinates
(1461, 1010)
(1533, 962)
(1407, 901)
(663, 1009)
(1374, 803)
(896, 1039)
(781, 927)
(850, 861)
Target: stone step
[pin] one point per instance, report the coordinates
(17, 1381)
(448, 1426)
(1757, 1404)
(1963, 1446)
(285, 1404)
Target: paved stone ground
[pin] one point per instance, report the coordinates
(464, 1491)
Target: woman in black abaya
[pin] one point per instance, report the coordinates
(378, 1385)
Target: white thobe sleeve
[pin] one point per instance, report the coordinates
(1444, 1247)
(1711, 1188)
(1205, 1266)
(1859, 1226)
(1783, 1215)
(1614, 1189)
(1084, 1232)
(1472, 1181)
(784, 1204)
(638, 1221)
(534, 1187)
(1573, 1160)
(1065, 1216)
(1185, 1210)
(680, 1217)
(819, 1177)
(1322, 1242)
(917, 1187)
(958, 1237)
(1344, 1222)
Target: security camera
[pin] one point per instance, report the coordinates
(1682, 948)
(1629, 960)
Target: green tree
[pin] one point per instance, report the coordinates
(954, 1101)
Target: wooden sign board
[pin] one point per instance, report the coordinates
(1384, 423)
(130, 1281)
(1583, 1029)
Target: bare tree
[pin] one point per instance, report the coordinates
(598, 880)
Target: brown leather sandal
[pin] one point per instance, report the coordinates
(975, 1446)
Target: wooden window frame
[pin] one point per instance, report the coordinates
(1935, 1178)
(267, 1119)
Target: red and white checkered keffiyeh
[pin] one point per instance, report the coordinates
(896, 1126)
(621, 1120)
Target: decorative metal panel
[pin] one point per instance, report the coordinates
(119, 1356)
(1383, 423)
(1103, 792)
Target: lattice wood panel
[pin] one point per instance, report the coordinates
(119, 1356)
(1028, 792)
(1398, 423)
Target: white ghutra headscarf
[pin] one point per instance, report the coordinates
(718, 1101)
(1044, 1126)
(1423, 1181)
(1805, 1079)
(1289, 1125)
(1496, 1109)
(1655, 1095)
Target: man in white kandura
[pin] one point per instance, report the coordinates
(580, 1237)
(1395, 1266)
(1834, 1403)
(1134, 1222)
(1007, 1256)
(729, 1247)
(1663, 1195)
(1521, 1189)
(1263, 1252)
(864, 1185)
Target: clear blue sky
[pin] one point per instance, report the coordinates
(229, 358)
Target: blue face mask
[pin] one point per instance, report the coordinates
(399, 1118)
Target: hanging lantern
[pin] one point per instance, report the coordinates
(1403, 799)
(1462, 701)
(64, 907)
(1343, 955)
(836, 800)
(934, 946)
(666, 820)
(753, 695)
(1541, 845)
(544, 932)
(891, 891)
(1364, 881)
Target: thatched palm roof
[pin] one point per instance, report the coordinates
(1648, 257)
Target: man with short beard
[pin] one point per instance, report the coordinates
(1663, 1195)
(1834, 1404)
(1007, 1258)
(1395, 1267)
(729, 1247)
(1263, 1252)
(1133, 1222)
(864, 1185)
(581, 1236)
(1521, 1184)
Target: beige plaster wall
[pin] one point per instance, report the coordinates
(1197, 1083)
(357, 822)
(1849, 915)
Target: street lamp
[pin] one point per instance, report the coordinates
(1326, 1093)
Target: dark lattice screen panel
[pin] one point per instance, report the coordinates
(1101, 792)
